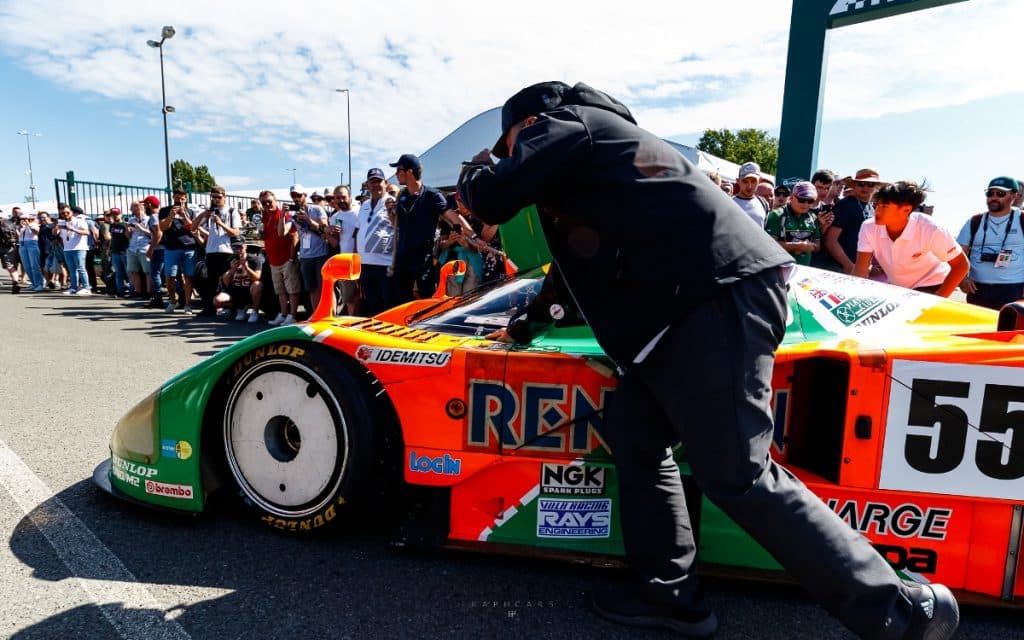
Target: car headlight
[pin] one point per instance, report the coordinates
(134, 436)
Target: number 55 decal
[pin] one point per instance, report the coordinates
(955, 429)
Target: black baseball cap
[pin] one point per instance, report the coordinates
(535, 99)
(407, 161)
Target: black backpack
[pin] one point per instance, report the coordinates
(8, 236)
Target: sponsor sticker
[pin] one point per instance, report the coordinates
(557, 518)
(954, 429)
(412, 357)
(179, 449)
(132, 468)
(178, 491)
(571, 479)
(444, 465)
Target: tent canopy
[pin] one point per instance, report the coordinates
(443, 161)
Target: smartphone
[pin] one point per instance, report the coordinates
(457, 229)
(62, 224)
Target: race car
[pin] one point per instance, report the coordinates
(902, 411)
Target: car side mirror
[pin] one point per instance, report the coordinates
(453, 268)
(344, 266)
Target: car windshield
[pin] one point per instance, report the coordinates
(484, 309)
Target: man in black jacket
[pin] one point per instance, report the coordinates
(688, 296)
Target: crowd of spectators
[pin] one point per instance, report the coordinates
(864, 226)
(198, 261)
(177, 257)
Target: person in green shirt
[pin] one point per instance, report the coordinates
(793, 226)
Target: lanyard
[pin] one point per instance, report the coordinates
(1009, 224)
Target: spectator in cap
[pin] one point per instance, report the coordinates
(417, 211)
(914, 251)
(792, 225)
(780, 196)
(693, 367)
(756, 207)
(994, 244)
(310, 220)
(375, 244)
(850, 213)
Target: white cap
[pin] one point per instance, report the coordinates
(297, 188)
(749, 169)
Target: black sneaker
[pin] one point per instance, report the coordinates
(632, 608)
(15, 287)
(935, 615)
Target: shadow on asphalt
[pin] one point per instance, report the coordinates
(207, 334)
(353, 584)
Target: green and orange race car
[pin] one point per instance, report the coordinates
(904, 412)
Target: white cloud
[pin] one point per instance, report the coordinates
(235, 182)
(250, 71)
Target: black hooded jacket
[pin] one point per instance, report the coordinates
(641, 236)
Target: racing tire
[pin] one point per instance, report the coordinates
(297, 436)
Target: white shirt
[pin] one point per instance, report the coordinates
(349, 222)
(918, 258)
(76, 241)
(376, 239)
(753, 207)
(219, 241)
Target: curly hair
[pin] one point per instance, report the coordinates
(904, 192)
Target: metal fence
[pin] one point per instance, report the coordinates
(97, 197)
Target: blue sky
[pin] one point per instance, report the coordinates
(934, 94)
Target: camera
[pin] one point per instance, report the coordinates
(295, 207)
(988, 257)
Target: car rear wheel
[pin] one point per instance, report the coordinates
(296, 430)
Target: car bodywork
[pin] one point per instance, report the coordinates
(904, 412)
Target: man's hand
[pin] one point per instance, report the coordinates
(501, 335)
(968, 286)
(483, 157)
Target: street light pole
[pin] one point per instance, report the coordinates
(294, 174)
(348, 120)
(166, 32)
(31, 180)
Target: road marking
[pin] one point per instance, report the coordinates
(126, 604)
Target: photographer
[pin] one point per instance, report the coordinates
(138, 249)
(28, 250)
(311, 221)
(179, 249)
(994, 244)
(74, 233)
(240, 286)
(216, 227)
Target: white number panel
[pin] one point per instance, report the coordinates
(956, 429)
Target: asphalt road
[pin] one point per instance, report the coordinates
(76, 563)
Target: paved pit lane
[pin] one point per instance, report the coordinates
(76, 563)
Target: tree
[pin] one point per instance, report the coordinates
(200, 178)
(745, 145)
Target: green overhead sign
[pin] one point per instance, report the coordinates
(807, 54)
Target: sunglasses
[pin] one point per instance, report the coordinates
(805, 200)
(862, 183)
(996, 193)
(214, 196)
(267, 203)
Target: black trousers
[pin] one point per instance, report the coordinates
(994, 296)
(707, 384)
(377, 289)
